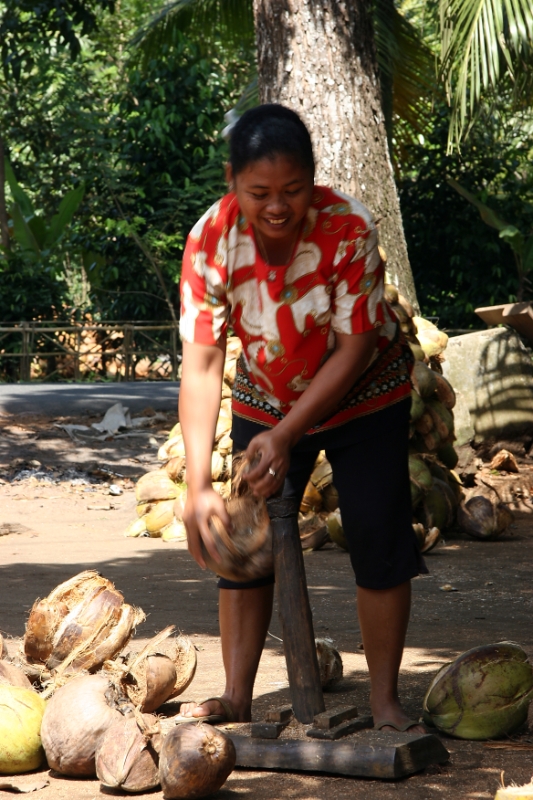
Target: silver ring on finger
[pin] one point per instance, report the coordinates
(272, 472)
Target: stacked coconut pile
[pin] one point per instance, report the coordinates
(71, 700)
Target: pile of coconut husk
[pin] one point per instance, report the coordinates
(74, 697)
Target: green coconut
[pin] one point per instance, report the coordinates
(438, 506)
(421, 480)
(483, 694)
(426, 380)
(445, 391)
(21, 714)
(335, 529)
(448, 455)
(417, 406)
(442, 418)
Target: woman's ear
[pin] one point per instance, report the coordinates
(229, 177)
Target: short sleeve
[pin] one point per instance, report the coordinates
(204, 304)
(357, 297)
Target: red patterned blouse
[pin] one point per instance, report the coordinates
(287, 317)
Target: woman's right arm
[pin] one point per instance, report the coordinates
(199, 405)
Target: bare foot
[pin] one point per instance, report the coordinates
(198, 710)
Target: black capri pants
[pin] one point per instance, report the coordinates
(369, 459)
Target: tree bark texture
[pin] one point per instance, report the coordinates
(318, 58)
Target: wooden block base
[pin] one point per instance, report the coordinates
(345, 728)
(372, 754)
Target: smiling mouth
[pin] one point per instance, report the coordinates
(277, 221)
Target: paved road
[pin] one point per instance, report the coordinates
(70, 399)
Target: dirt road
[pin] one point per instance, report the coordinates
(63, 520)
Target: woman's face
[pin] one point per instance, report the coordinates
(274, 196)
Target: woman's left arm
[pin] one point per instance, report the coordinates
(331, 383)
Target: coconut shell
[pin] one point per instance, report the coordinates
(175, 468)
(21, 713)
(154, 486)
(330, 497)
(336, 531)
(426, 381)
(322, 474)
(442, 419)
(174, 532)
(160, 515)
(425, 424)
(136, 528)
(162, 670)
(482, 515)
(417, 406)
(246, 553)
(128, 755)
(312, 499)
(483, 694)
(445, 392)
(195, 761)
(448, 455)
(420, 477)
(83, 622)
(10, 675)
(329, 663)
(505, 461)
(74, 722)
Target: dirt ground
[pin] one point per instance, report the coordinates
(57, 517)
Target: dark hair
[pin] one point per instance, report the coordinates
(268, 131)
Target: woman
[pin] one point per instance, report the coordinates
(295, 269)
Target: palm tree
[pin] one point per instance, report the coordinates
(484, 45)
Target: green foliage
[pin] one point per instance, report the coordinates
(36, 235)
(50, 24)
(458, 263)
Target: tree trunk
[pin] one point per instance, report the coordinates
(318, 57)
(4, 229)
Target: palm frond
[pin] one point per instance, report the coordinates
(482, 41)
(205, 20)
(408, 73)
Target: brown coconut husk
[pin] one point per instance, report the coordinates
(81, 624)
(482, 514)
(504, 461)
(161, 671)
(75, 720)
(195, 761)
(445, 392)
(331, 497)
(175, 468)
(3, 647)
(311, 500)
(246, 553)
(424, 424)
(10, 675)
(128, 755)
(329, 663)
(156, 485)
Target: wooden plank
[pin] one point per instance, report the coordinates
(295, 611)
(333, 717)
(345, 728)
(267, 730)
(372, 755)
(281, 714)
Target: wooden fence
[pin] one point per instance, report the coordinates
(122, 351)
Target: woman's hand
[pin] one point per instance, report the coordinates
(200, 506)
(270, 454)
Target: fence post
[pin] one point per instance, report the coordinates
(77, 356)
(128, 341)
(25, 372)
